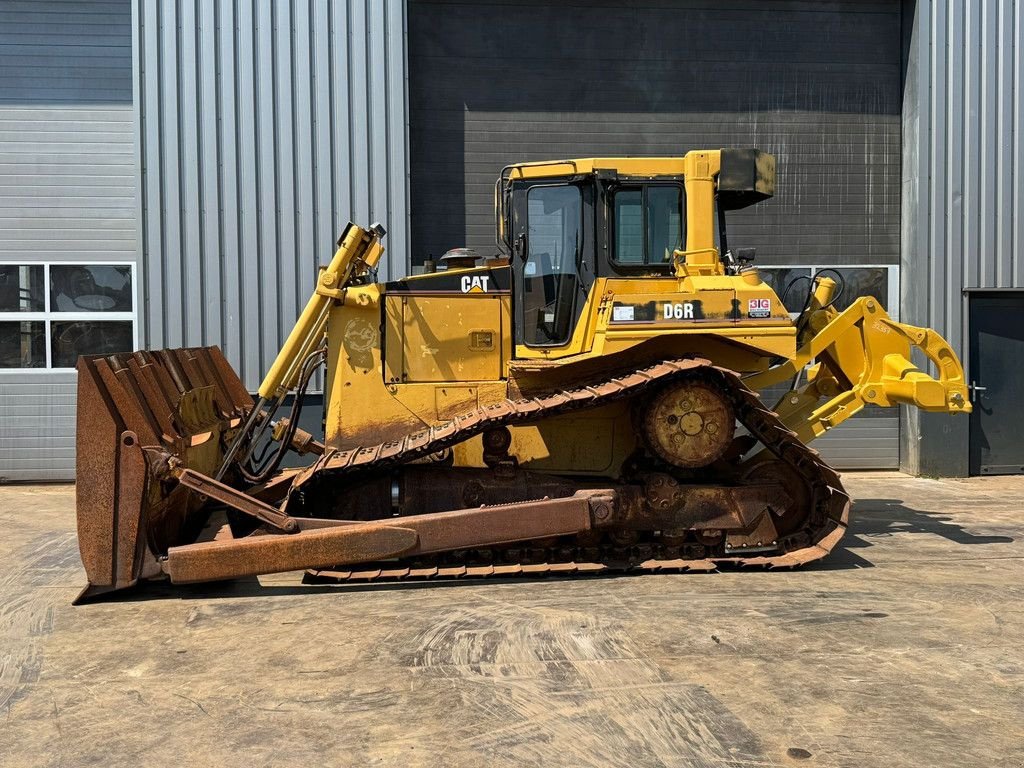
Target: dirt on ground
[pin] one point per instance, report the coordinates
(903, 648)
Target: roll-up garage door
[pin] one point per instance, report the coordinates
(817, 84)
(67, 217)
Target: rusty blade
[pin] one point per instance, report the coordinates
(131, 406)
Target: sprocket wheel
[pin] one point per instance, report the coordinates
(689, 424)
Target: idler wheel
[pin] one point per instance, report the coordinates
(792, 516)
(689, 424)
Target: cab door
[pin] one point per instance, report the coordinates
(553, 259)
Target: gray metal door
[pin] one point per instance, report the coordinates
(996, 338)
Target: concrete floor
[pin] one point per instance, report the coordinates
(903, 649)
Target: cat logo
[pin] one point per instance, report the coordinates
(475, 283)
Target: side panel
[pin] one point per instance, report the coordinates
(692, 315)
(361, 409)
(451, 338)
(394, 329)
(595, 443)
(416, 361)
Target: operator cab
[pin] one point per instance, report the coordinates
(566, 223)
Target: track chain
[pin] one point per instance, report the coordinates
(824, 523)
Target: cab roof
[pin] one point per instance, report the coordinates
(627, 166)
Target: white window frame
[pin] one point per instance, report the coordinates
(47, 316)
(892, 279)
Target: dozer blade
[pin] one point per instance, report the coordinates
(135, 410)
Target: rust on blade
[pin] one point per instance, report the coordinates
(129, 523)
(99, 432)
(134, 410)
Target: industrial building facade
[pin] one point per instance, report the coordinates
(172, 173)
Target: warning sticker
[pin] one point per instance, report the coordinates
(622, 313)
(759, 308)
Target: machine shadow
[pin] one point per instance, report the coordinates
(871, 518)
(251, 587)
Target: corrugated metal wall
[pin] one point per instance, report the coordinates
(963, 182)
(263, 128)
(968, 160)
(67, 187)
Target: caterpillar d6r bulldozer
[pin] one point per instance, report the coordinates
(585, 400)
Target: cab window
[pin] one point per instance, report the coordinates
(647, 224)
(550, 272)
(629, 226)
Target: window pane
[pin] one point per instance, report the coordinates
(83, 288)
(69, 339)
(21, 288)
(22, 345)
(664, 223)
(858, 282)
(550, 277)
(555, 220)
(790, 284)
(629, 223)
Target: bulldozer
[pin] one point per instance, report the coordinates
(588, 399)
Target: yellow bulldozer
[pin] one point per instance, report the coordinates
(585, 400)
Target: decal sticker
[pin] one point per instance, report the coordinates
(358, 338)
(678, 311)
(759, 308)
(492, 281)
(623, 313)
(475, 283)
(635, 313)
